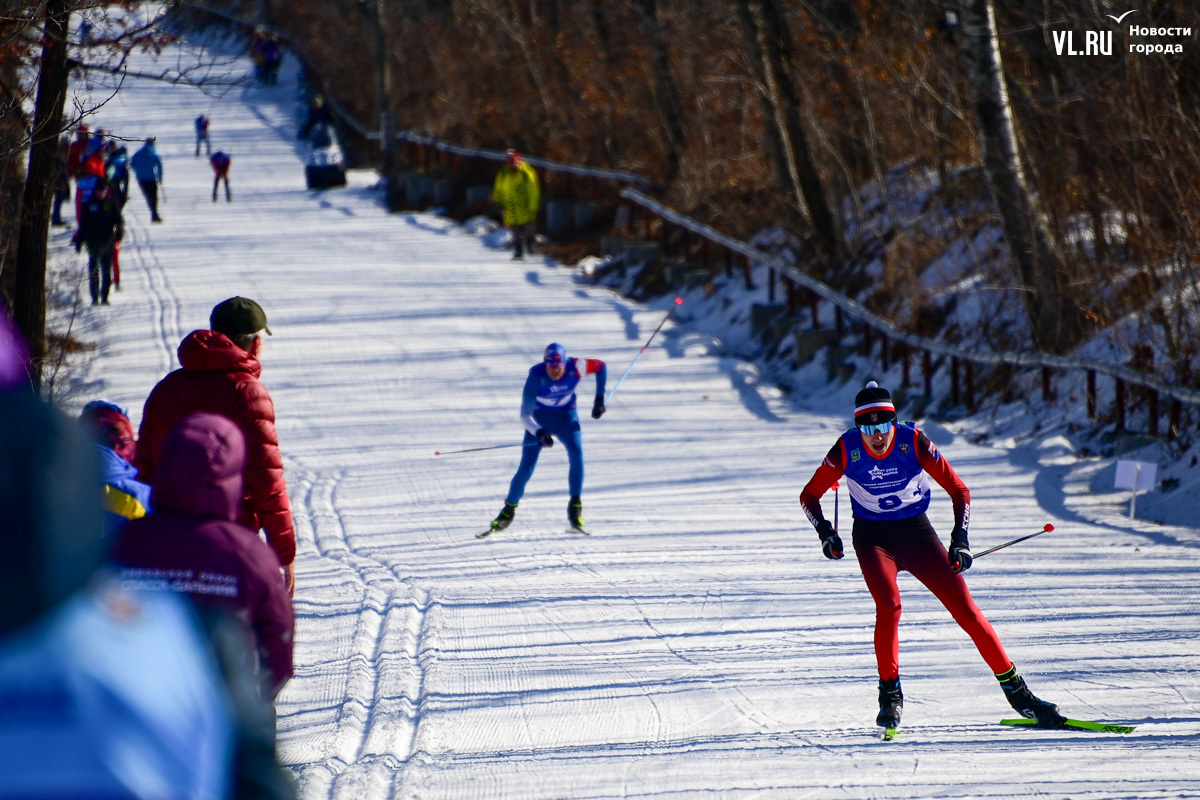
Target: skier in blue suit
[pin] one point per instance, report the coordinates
(548, 411)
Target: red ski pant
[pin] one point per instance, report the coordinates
(886, 547)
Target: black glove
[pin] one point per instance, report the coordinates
(831, 543)
(960, 551)
(598, 408)
(544, 438)
(78, 245)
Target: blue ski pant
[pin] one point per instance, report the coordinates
(563, 425)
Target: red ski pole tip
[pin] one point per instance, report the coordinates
(1048, 527)
(437, 452)
(678, 301)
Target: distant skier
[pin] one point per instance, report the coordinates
(147, 168)
(220, 163)
(885, 464)
(517, 194)
(548, 410)
(202, 124)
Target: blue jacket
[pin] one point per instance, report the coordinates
(147, 166)
(125, 497)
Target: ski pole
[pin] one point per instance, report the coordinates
(678, 302)
(1047, 529)
(836, 485)
(477, 449)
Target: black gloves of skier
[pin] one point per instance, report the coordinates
(960, 550)
(598, 408)
(544, 438)
(831, 543)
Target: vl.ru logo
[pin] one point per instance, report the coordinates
(1095, 43)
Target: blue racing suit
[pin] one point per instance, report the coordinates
(550, 404)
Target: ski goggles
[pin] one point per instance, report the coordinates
(871, 430)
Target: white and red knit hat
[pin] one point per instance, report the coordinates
(873, 405)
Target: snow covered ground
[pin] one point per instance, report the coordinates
(698, 644)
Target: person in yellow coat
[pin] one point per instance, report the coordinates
(517, 194)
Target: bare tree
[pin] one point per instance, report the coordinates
(30, 291)
(1055, 321)
(770, 43)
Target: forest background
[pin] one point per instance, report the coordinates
(760, 113)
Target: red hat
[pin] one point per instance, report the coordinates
(109, 427)
(512, 157)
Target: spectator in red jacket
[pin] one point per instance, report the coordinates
(192, 544)
(220, 374)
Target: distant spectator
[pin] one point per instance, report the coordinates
(258, 54)
(62, 181)
(192, 542)
(221, 162)
(318, 112)
(219, 373)
(101, 228)
(77, 150)
(147, 168)
(202, 124)
(517, 194)
(124, 496)
(91, 171)
(116, 169)
(273, 56)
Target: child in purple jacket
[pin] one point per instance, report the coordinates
(192, 543)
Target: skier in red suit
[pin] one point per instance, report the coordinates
(887, 466)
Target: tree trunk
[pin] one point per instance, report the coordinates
(670, 109)
(772, 120)
(1056, 323)
(29, 308)
(773, 45)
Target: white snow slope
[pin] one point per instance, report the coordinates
(698, 644)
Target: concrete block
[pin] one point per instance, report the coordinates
(560, 217)
(762, 315)
(585, 214)
(612, 245)
(639, 253)
(418, 190)
(443, 192)
(478, 194)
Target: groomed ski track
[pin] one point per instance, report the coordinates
(698, 645)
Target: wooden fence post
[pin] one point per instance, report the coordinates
(1119, 411)
(1173, 425)
(746, 269)
(884, 355)
(954, 397)
(770, 284)
(1153, 412)
(906, 371)
(814, 305)
(971, 385)
(1047, 388)
(927, 372)
(1091, 394)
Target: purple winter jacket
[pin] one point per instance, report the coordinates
(192, 543)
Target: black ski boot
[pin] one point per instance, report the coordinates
(505, 517)
(575, 513)
(891, 703)
(1024, 701)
